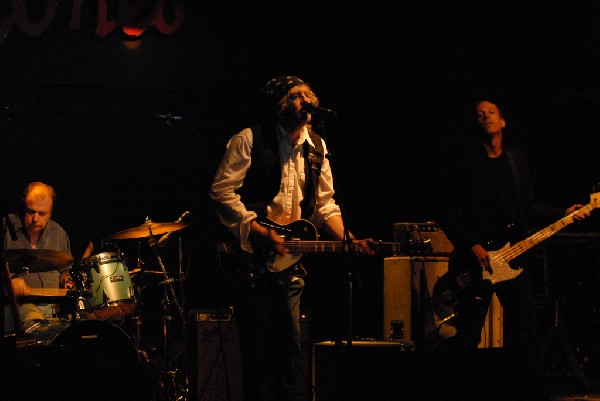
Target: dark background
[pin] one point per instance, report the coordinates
(82, 113)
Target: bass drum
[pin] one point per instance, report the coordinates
(90, 360)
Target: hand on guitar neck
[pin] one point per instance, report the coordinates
(495, 264)
(269, 238)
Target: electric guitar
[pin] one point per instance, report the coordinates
(500, 270)
(446, 288)
(300, 238)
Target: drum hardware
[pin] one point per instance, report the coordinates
(140, 262)
(137, 317)
(152, 230)
(167, 301)
(6, 283)
(169, 373)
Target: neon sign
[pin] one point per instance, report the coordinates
(129, 14)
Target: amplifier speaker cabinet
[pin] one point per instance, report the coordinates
(216, 369)
(408, 314)
(414, 235)
(386, 370)
(364, 370)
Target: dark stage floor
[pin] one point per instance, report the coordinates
(96, 360)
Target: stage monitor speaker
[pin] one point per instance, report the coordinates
(408, 314)
(216, 368)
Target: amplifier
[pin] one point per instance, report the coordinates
(215, 368)
(215, 365)
(364, 370)
(415, 234)
(408, 312)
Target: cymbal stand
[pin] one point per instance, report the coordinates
(140, 262)
(558, 329)
(182, 278)
(137, 317)
(167, 319)
(7, 227)
(17, 324)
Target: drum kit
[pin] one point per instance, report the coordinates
(103, 296)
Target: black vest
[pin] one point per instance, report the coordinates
(263, 178)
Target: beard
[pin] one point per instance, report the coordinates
(292, 118)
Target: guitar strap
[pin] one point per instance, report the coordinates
(313, 160)
(516, 179)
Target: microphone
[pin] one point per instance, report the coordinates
(14, 108)
(164, 240)
(311, 108)
(168, 116)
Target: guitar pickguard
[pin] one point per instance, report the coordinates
(500, 270)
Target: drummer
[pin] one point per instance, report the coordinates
(35, 229)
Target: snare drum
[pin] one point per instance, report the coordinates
(108, 290)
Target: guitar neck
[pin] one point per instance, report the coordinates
(545, 233)
(304, 247)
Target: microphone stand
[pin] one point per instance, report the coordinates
(346, 239)
(347, 349)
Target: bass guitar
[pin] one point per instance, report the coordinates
(500, 269)
(446, 288)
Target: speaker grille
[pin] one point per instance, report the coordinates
(216, 371)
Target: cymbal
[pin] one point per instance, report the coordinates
(149, 228)
(37, 260)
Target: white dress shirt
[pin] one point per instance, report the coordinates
(285, 207)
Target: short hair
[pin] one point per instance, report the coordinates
(498, 106)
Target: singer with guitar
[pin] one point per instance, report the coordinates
(272, 175)
(488, 201)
